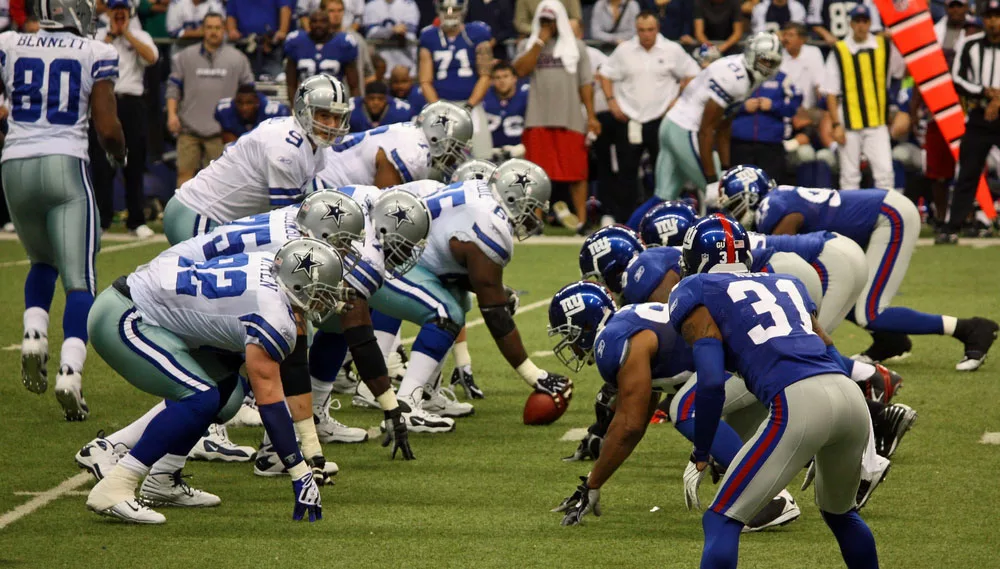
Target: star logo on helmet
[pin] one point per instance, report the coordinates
(305, 262)
(442, 120)
(302, 92)
(522, 180)
(401, 214)
(335, 212)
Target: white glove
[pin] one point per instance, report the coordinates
(692, 480)
(712, 195)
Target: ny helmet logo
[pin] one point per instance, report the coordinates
(572, 305)
(666, 227)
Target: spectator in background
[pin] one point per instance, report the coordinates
(611, 20)
(379, 68)
(719, 22)
(758, 133)
(803, 66)
(831, 21)
(377, 108)
(395, 23)
(641, 80)
(455, 63)
(524, 13)
(499, 16)
(402, 87)
(561, 81)
(240, 114)
(950, 30)
(185, 17)
(505, 104)
(320, 50)
(268, 20)
(801, 63)
(337, 11)
(602, 158)
(676, 19)
(200, 76)
(352, 11)
(773, 15)
(153, 14)
(136, 51)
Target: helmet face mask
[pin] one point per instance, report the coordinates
(322, 109)
(474, 169)
(577, 313)
(451, 13)
(743, 188)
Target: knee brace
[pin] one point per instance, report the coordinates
(498, 320)
(295, 369)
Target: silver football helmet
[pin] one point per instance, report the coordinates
(448, 128)
(332, 216)
(310, 272)
(323, 94)
(474, 169)
(402, 223)
(79, 15)
(763, 55)
(521, 187)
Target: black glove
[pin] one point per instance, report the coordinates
(323, 472)
(580, 503)
(395, 432)
(513, 300)
(588, 449)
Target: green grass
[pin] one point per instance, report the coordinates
(479, 497)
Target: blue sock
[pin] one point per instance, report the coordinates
(907, 321)
(326, 355)
(857, 544)
(78, 303)
(40, 287)
(281, 431)
(725, 445)
(433, 341)
(383, 323)
(178, 423)
(641, 211)
(722, 541)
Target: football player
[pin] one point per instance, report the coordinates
(48, 187)
(666, 224)
(175, 329)
(320, 50)
(505, 104)
(267, 169)
(240, 114)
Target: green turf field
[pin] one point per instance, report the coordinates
(480, 497)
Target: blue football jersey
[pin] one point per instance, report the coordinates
(455, 71)
(612, 345)
(416, 100)
(506, 117)
(851, 213)
(646, 272)
(230, 121)
(311, 58)
(396, 110)
(765, 325)
(761, 260)
(805, 245)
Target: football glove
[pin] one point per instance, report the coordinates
(322, 471)
(693, 479)
(810, 475)
(712, 197)
(555, 385)
(396, 434)
(580, 503)
(513, 300)
(307, 498)
(588, 449)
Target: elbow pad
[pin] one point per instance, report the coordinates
(498, 320)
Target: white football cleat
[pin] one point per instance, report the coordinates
(131, 511)
(216, 446)
(170, 489)
(247, 415)
(778, 512)
(69, 393)
(364, 398)
(330, 430)
(347, 380)
(871, 480)
(444, 403)
(267, 463)
(420, 421)
(34, 361)
(99, 456)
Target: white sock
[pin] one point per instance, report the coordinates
(74, 353)
(133, 467)
(870, 459)
(419, 373)
(385, 341)
(266, 440)
(862, 371)
(949, 323)
(321, 391)
(130, 434)
(462, 356)
(36, 320)
(169, 463)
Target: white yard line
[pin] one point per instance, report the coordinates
(43, 498)
(990, 439)
(70, 493)
(479, 321)
(538, 354)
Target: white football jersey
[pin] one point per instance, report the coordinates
(365, 268)
(266, 168)
(726, 81)
(261, 233)
(352, 160)
(466, 211)
(49, 77)
(225, 303)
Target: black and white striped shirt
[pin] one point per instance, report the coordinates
(976, 66)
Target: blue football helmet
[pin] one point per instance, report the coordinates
(742, 189)
(607, 252)
(666, 224)
(577, 313)
(716, 244)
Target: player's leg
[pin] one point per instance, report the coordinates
(877, 147)
(668, 186)
(325, 356)
(689, 162)
(726, 443)
(441, 400)
(850, 160)
(843, 272)
(181, 222)
(28, 207)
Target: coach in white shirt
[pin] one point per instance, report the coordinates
(136, 51)
(641, 80)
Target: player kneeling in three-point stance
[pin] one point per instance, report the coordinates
(763, 327)
(181, 330)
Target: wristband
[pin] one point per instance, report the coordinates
(529, 372)
(387, 401)
(299, 470)
(308, 439)
(609, 98)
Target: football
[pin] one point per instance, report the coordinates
(543, 409)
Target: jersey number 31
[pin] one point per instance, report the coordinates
(768, 304)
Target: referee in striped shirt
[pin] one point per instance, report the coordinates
(976, 73)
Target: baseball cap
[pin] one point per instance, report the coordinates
(113, 4)
(862, 11)
(993, 6)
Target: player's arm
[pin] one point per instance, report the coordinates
(291, 77)
(661, 293)
(104, 115)
(232, 30)
(710, 118)
(723, 141)
(702, 334)
(386, 174)
(486, 278)
(484, 64)
(425, 75)
(791, 224)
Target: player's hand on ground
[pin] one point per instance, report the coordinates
(588, 449)
(692, 481)
(583, 501)
(555, 385)
(307, 498)
(396, 434)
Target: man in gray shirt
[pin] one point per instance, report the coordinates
(200, 75)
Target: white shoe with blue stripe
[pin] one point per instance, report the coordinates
(215, 446)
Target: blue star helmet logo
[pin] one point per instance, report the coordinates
(442, 120)
(401, 214)
(305, 262)
(302, 92)
(522, 180)
(335, 212)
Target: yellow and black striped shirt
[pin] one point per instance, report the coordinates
(863, 84)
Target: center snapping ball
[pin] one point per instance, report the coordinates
(544, 409)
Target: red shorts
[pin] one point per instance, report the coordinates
(560, 152)
(940, 163)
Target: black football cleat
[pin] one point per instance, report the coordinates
(462, 377)
(886, 346)
(978, 335)
(894, 421)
